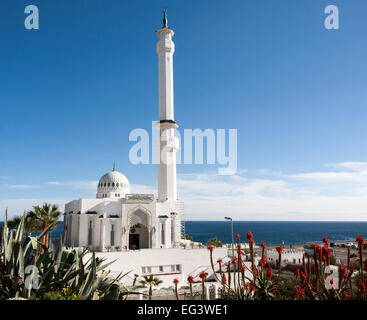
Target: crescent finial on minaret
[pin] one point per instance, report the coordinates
(114, 166)
(165, 18)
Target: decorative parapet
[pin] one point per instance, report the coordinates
(137, 197)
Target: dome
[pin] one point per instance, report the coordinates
(113, 184)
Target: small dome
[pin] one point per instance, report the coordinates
(114, 182)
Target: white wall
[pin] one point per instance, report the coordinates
(192, 261)
(288, 256)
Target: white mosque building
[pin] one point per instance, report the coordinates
(141, 233)
(118, 219)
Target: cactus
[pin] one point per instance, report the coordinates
(56, 269)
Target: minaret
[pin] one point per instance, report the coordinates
(168, 142)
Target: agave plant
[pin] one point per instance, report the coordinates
(26, 271)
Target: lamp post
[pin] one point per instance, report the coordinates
(230, 219)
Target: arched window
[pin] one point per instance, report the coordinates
(117, 184)
(109, 184)
(113, 184)
(105, 184)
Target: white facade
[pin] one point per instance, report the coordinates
(167, 264)
(116, 219)
(289, 256)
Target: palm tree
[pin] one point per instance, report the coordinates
(13, 223)
(150, 282)
(42, 217)
(29, 225)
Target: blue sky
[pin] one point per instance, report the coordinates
(71, 92)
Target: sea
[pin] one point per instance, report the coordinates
(272, 232)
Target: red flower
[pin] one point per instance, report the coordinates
(176, 281)
(325, 250)
(251, 242)
(360, 240)
(351, 270)
(318, 249)
(279, 249)
(299, 293)
(345, 295)
(296, 272)
(255, 272)
(303, 277)
(238, 236)
(211, 248)
(220, 261)
(202, 275)
(342, 270)
(190, 279)
(234, 260)
(224, 279)
(312, 246)
(238, 246)
(329, 252)
(263, 245)
(361, 288)
(243, 268)
(249, 236)
(269, 273)
(252, 287)
(331, 281)
(262, 261)
(247, 286)
(325, 240)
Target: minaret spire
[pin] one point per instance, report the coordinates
(114, 166)
(165, 18)
(169, 144)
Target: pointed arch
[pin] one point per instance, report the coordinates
(139, 225)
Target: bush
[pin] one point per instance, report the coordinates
(63, 294)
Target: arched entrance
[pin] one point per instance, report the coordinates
(139, 236)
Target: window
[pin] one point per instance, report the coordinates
(161, 269)
(109, 184)
(143, 270)
(178, 267)
(90, 233)
(105, 184)
(113, 184)
(173, 268)
(149, 270)
(117, 184)
(172, 231)
(163, 240)
(112, 235)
